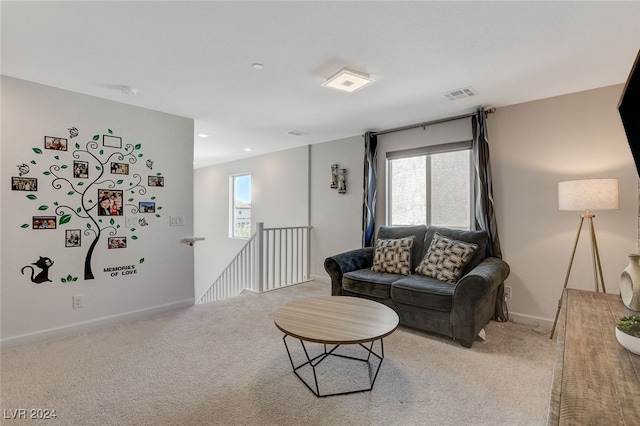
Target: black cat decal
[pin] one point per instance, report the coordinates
(43, 263)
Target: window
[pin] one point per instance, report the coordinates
(240, 206)
(431, 185)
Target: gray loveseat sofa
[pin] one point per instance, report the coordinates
(459, 308)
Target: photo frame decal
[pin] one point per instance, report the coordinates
(72, 238)
(109, 202)
(116, 242)
(81, 169)
(57, 144)
(147, 207)
(111, 141)
(43, 222)
(24, 184)
(119, 168)
(156, 181)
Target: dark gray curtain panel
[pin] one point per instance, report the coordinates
(370, 187)
(485, 206)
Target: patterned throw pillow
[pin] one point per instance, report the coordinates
(446, 258)
(393, 256)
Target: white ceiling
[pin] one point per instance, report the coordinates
(194, 59)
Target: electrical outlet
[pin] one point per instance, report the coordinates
(507, 291)
(176, 221)
(77, 302)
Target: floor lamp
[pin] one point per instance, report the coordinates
(586, 195)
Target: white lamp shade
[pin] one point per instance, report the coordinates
(588, 194)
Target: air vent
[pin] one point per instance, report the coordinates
(465, 92)
(297, 133)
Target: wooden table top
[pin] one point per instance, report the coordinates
(336, 320)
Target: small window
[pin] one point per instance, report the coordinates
(432, 187)
(240, 226)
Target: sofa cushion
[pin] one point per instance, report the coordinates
(423, 292)
(478, 238)
(418, 231)
(369, 283)
(393, 256)
(445, 258)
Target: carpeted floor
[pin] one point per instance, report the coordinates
(224, 363)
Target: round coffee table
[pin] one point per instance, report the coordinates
(336, 320)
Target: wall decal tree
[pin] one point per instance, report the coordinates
(84, 191)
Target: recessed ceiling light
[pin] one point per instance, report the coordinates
(248, 149)
(257, 66)
(348, 81)
(297, 133)
(203, 135)
(128, 90)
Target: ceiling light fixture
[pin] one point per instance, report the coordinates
(248, 149)
(257, 66)
(297, 133)
(347, 80)
(203, 135)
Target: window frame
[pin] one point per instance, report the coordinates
(232, 206)
(428, 151)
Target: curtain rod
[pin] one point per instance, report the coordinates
(429, 123)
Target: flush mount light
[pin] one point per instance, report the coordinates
(257, 66)
(297, 133)
(347, 80)
(248, 149)
(203, 135)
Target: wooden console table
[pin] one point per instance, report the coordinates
(596, 381)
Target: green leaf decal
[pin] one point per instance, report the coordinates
(138, 146)
(79, 209)
(158, 174)
(70, 193)
(112, 221)
(66, 218)
(69, 278)
(117, 226)
(33, 161)
(63, 280)
(75, 279)
(101, 151)
(43, 207)
(80, 183)
(100, 220)
(140, 155)
(119, 181)
(153, 198)
(96, 137)
(98, 168)
(133, 237)
(31, 197)
(130, 200)
(77, 145)
(159, 207)
(88, 226)
(37, 150)
(57, 157)
(24, 225)
(46, 173)
(142, 260)
(132, 229)
(157, 215)
(64, 166)
(55, 203)
(110, 131)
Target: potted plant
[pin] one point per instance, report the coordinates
(628, 333)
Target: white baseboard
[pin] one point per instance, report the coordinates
(81, 327)
(322, 278)
(530, 320)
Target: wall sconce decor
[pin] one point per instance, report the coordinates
(342, 183)
(334, 176)
(338, 179)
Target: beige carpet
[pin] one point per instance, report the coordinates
(224, 363)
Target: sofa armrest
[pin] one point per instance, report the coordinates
(342, 263)
(472, 307)
(482, 280)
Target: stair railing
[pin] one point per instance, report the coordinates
(272, 258)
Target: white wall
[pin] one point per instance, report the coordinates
(164, 280)
(279, 197)
(336, 218)
(534, 146)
